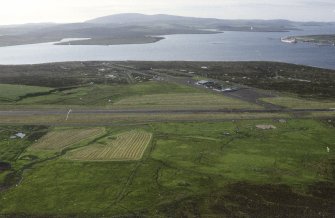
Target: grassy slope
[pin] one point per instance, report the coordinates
(190, 168)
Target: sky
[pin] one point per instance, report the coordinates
(65, 11)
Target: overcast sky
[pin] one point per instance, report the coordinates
(28, 11)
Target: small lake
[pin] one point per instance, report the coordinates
(227, 46)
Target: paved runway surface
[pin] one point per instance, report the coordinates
(151, 111)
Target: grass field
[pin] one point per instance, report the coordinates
(219, 169)
(183, 101)
(57, 140)
(104, 95)
(10, 93)
(142, 95)
(125, 146)
(298, 103)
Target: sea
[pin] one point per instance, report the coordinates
(226, 46)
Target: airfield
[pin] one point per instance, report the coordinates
(167, 139)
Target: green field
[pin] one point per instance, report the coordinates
(11, 93)
(155, 95)
(184, 101)
(143, 140)
(298, 103)
(103, 95)
(213, 169)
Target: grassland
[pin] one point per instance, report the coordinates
(103, 95)
(134, 96)
(125, 146)
(298, 103)
(12, 93)
(221, 169)
(155, 162)
(184, 101)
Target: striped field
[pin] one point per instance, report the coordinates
(60, 139)
(126, 146)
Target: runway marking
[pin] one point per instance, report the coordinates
(68, 114)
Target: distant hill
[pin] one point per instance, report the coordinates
(135, 28)
(137, 18)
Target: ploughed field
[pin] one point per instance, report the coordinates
(59, 139)
(125, 146)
